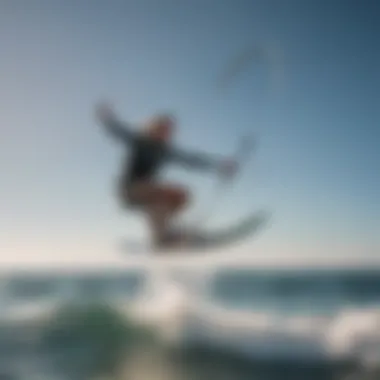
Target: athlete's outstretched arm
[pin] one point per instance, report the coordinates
(193, 160)
(202, 161)
(113, 125)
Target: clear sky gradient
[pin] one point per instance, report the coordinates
(318, 163)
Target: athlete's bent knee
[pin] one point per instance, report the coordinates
(179, 198)
(183, 198)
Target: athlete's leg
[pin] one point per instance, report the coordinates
(165, 203)
(160, 202)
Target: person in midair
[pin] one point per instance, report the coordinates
(151, 149)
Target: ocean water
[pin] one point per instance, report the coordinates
(299, 291)
(339, 295)
(296, 292)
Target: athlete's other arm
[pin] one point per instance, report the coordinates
(120, 130)
(200, 161)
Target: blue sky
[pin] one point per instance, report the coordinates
(318, 158)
